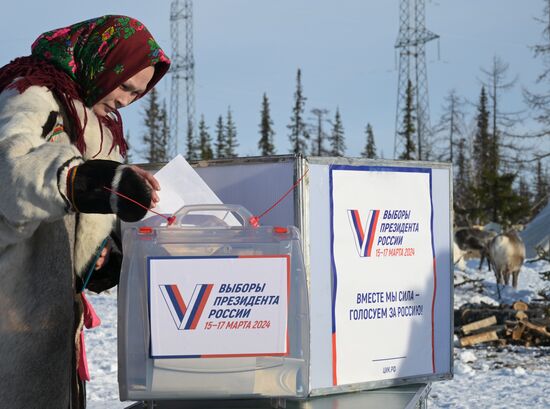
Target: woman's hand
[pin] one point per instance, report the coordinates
(103, 257)
(152, 181)
(105, 186)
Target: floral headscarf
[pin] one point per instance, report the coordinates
(101, 53)
(85, 62)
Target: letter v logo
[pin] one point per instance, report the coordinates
(186, 317)
(363, 233)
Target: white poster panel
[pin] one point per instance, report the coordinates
(383, 273)
(218, 306)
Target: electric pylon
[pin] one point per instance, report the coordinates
(183, 67)
(411, 41)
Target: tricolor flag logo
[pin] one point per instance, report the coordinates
(363, 232)
(186, 316)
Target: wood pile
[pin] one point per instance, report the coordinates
(518, 324)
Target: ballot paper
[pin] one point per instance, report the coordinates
(180, 186)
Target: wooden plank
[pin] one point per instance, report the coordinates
(539, 330)
(486, 322)
(520, 306)
(517, 332)
(479, 338)
(521, 315)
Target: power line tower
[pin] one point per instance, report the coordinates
(183, 67)
(411, 41)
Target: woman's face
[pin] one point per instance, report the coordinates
(125, 93)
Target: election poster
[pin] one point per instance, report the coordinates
(384, 278)
(218, 306)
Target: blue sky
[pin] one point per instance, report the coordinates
(345, 50)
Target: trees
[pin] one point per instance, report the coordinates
(482, 139)
(542, 188)
(156, 138)
(481, 160)
(501, 123)
(165, 137)
(337, 141)
(220, 138)
(317, 143)
(298, 131)
(128, 158)
(539, 102)
(463, 192)
(190, 144)
(370, 147)
(226, 137)
(230, 132)
(451, 123)
(265, 144)
(408, 130)
(205, 141)
(495, 198)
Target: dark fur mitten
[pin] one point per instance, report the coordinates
(89, 189)
(108, 275)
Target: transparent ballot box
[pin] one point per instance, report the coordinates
(212, 307)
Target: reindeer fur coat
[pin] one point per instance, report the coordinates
(44, 248)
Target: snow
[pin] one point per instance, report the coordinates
(529, 284)
(484, 376)
(493, 377)
(487, 377)
(101, 349)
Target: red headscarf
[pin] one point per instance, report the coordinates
(86, 61)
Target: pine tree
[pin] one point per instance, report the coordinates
(451, 123)
(152, 137)
(157, 139)
(190, 143)
(542, 188)
(482, 138)
(463, 202)
(231, 143)
(495, 197)
(337, 142)
(408, 130)
(317, 143)
(265, 144)
(205, 141)
(539, 101)
(128, 158)
(370, 147)
(511, 208)
(220, 138)
(524, 192)
(165, 138)
(298, 131)
(481, 159)
(500, 122)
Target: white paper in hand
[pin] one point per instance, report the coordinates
(180, 185)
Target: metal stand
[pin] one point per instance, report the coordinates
(399, 397)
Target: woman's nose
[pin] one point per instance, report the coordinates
(123, 100)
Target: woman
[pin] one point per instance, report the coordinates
(61, 144)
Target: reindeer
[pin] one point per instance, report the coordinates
(458, 257)
(507, 253)
(469, 238)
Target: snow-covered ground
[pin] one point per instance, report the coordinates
(485, 377)
(491, 377)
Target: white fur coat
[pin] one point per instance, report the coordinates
(42, 246)
(33, 169)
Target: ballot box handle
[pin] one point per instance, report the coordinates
(242, 214)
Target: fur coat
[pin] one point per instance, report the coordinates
(44, 248)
